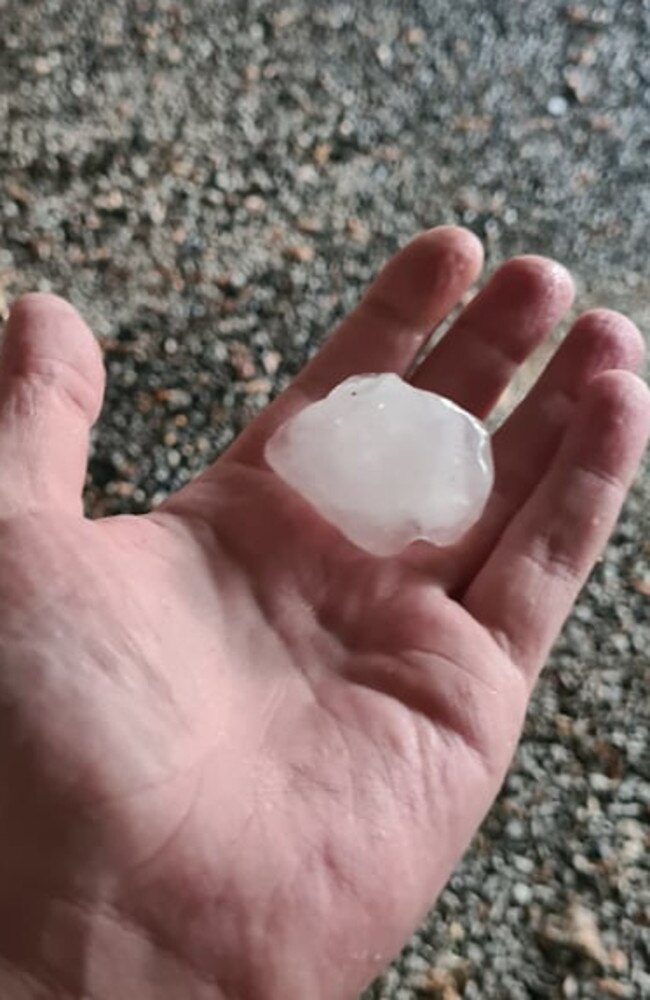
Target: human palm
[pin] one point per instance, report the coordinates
(239, 756)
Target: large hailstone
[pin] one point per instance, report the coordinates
(386, 463)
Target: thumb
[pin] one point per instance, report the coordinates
(51, 392)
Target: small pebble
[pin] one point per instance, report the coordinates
(557, 106)
(522, 893)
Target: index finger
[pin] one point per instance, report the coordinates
(413, 292)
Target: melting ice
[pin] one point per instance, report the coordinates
(387, 463)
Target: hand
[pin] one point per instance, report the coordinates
(238, 756)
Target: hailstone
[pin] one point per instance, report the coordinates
(387, 463)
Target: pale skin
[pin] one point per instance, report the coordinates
(239, 757)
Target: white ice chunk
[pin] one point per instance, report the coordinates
(387, 463)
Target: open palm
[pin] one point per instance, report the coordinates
(239, 757)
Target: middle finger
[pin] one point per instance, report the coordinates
(496, 332)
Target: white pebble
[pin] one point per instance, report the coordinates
(557, 106)
(522, 893)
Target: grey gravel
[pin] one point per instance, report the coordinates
(213, 184)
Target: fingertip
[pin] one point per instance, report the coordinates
(611, 428)
(426, 278)
(34, 301)
(611, 334)
(533, 277)
(45, 335)
(620, 394)
(32, 306)
(457, 242)
(441, 263)
(52, 324)
(451, 232)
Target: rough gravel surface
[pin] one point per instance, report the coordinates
(212, 184)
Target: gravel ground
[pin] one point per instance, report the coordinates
(212, 184)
